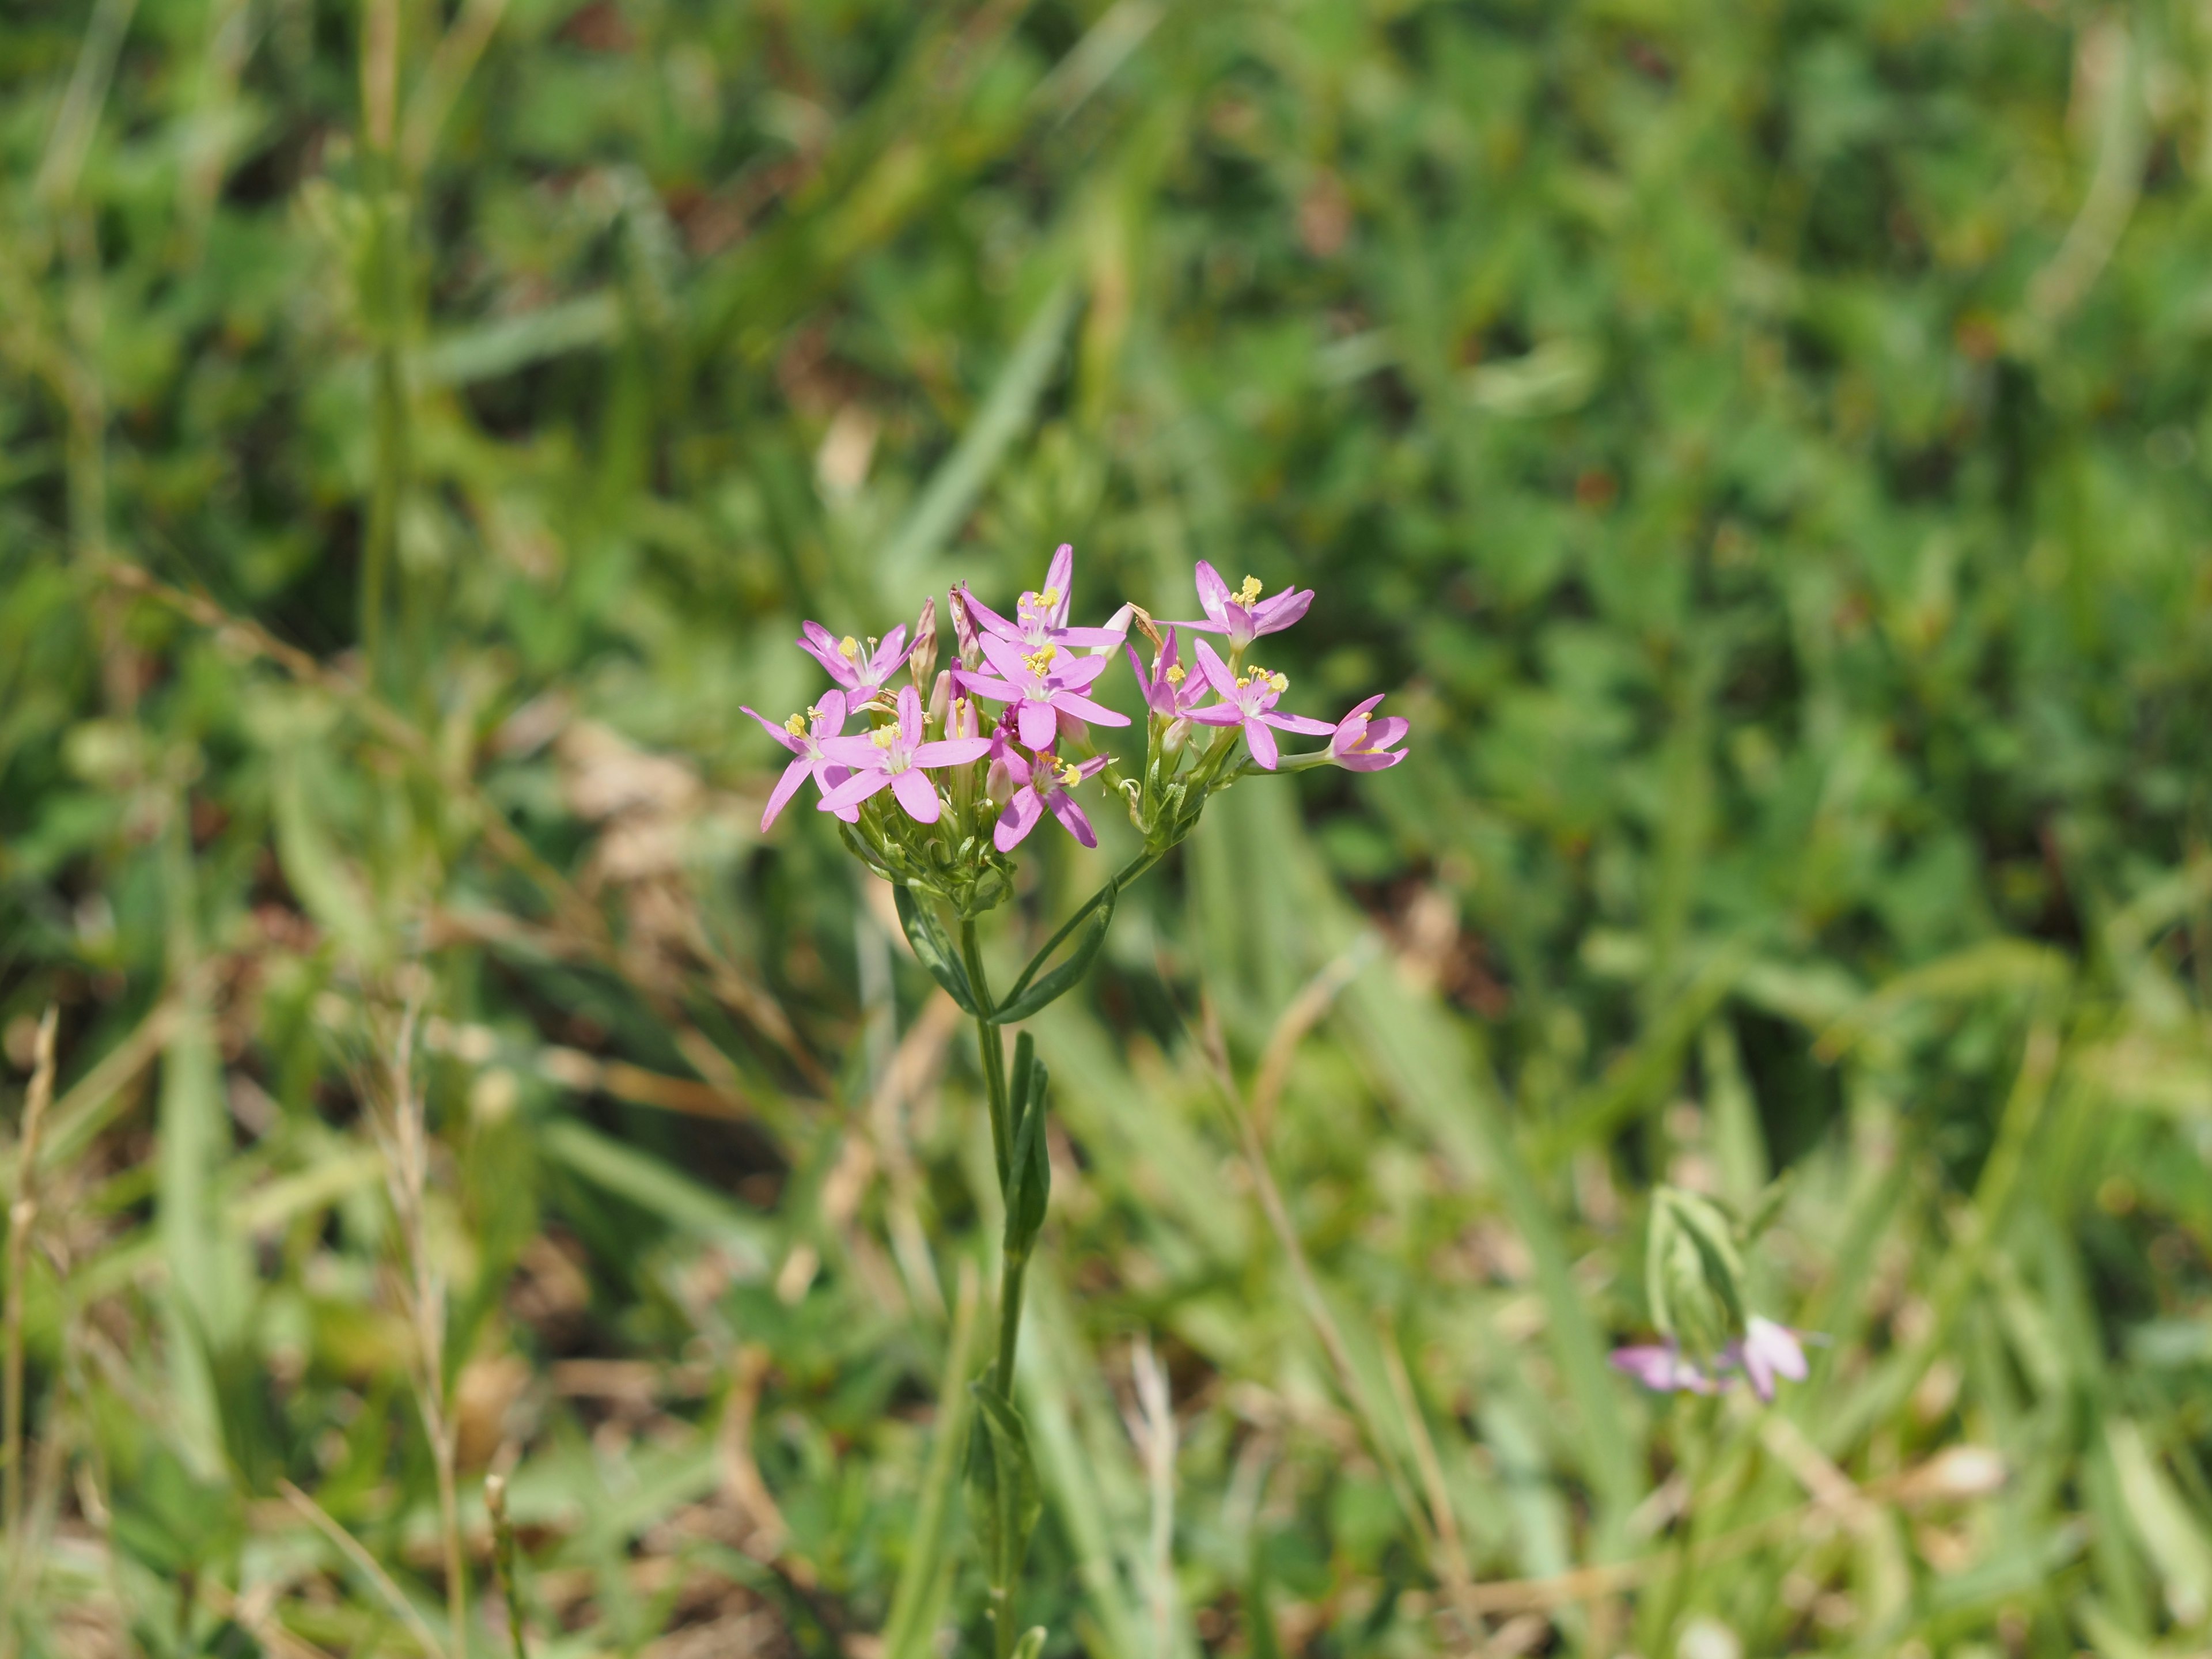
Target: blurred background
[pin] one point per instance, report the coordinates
(1762, 447)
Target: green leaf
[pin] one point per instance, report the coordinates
(1003, 1496)
(1030, 1188)
(933, 948)
(1031, 1645)
(1035, 990)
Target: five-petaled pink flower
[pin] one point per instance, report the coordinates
(1170, 691)
(895, 757)
(850, 663)
(1241, 613)
(1041, 684)
(1043, 781)
(1362, 744)
(803, 735)
(1041, 615)
(1249, 700)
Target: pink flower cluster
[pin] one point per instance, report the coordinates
(1766, 1353)
(1040, 672)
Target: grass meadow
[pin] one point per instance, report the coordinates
(1762, 447)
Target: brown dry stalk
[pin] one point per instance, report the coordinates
(351, 1548)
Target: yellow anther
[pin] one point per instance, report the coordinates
(1176, 676)
(1250, 593)
(883, 736)
(1039, 661)
(1281, 682)
(1047, 599)
(848, 648)
(1070, 774)
(796, 725)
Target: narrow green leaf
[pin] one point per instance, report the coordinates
(933, 948)
(1003, 1494)
(1036, 989)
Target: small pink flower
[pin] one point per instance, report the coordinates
(1042, 782)
(1041, 615)
(1241, 613)
(1362, 744)
(803, 735)
(851, 664)
(1663, 1367)
(1170, 691)
(896, 758)
(1769, 1351)
(1248, 700)
(1041, 684)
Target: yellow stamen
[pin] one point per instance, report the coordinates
(796, 725)
(1175, 673)
(883, 736)
(1047, 599)
(1039, 661)
(1070, 774)
(848, 648)
(1250, 593)
(1281, 681)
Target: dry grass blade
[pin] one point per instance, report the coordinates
(351, 1547)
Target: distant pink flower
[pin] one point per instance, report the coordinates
(1248, 700)
(896, 758)
(1663, 1367)
(850, 663)
(1170, 691)
(1041, 615)
(1769, 1351)
(803, 735)
(1361, 745)
(1241, 613)
(1042, 781)
(1041, 684)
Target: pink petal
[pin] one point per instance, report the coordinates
(818, 643)
(952, 751)
(1071, 817)
(1035, 722)
(854, 790)
(1355, 712)
(1218, 714)
(1213, 592)
(785, 786)
(778, 733)
(917, 794)
(1080, 671)
(1060, 575)
(910, 715)
(1302, 723)
(1005, 655)
(984, 686)
(990, 620)
(827, 778)
(1088, 636)
(857, 752)
(832, 705)
(889, 655)
(1273, 615)
(1262, 743)
(1216, 671)
(1368, 760)
(1021, 817)
(1083, 709)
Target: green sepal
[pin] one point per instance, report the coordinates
(1038, 985)
(1003, 1497)
(933, 947)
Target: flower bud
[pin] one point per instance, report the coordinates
(923, 661)
(940, 700)
(999, 783)
(1172, 739)
(966, 722)
(963, 631)
(1693, 1272)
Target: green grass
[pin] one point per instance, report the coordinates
(1762, 447)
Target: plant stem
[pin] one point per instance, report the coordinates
(23, 1216)
(990, 1053)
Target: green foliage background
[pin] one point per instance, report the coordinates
(1761, 445)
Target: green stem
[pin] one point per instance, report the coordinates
(990, 1052)
(1011, 1271)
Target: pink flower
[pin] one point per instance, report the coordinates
(895, 757)
(1360, 744)
(803, 735)
(1041, 615)
(1249, 700)
(1242, 615)
(1769, 1351)
(850, 663)
(1042, 684)
(1042, 782)
(1661, 1366)
(1169, 691)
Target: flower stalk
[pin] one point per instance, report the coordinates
(937, 793)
